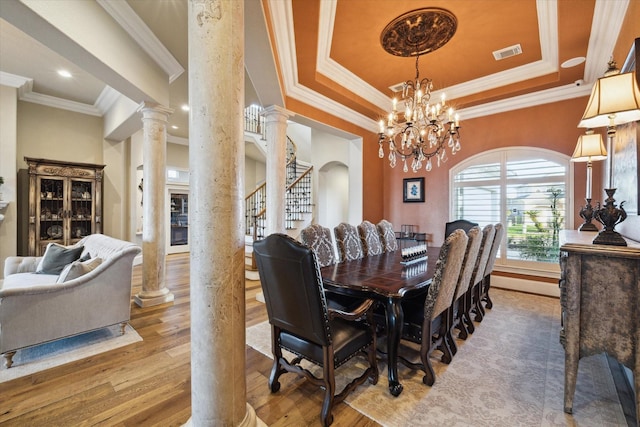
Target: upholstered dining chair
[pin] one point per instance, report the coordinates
(472, 299)
(348, 242)
(319, 239)
(456, 311)
(370, 238)
(463, 224)
(302, 324)
(486, 282)
(425, 317)
(387, 235)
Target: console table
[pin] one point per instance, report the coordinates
(600, 300)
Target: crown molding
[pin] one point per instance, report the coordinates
(608, 17)
(533, 99)
(547, 29)
(138, 30)
(13, 80)
(25, 94)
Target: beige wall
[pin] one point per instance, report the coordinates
(8, 227)
(52, 133)
(178, 156)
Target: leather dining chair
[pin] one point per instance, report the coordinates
(486, 282)
(472, 299)
(348, 242)
(462, 224)
(425, 317)
(370, 238)
(387, 235)
(456, 312)
(302, 324)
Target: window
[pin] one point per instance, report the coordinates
(523, 188)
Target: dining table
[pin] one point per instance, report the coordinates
(388, 279)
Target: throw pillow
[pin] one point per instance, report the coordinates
(56, 257)
(77, 269)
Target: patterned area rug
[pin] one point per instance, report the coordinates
(510, 372)
(56, 353)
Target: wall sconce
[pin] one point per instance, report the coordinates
(588, 149)
(615, 100)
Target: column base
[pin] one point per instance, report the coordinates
(148, 300)
(250, 419)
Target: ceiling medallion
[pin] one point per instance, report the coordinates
(418, 32)
(419, 128)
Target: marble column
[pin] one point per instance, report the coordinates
(276, 129)
(216, 232)
(154, 157)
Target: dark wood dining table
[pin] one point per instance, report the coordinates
(384, 278)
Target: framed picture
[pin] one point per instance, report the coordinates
(413, 190)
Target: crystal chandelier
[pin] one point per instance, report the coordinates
(425, 128)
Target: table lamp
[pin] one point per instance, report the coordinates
(588, 149)
(615, 100)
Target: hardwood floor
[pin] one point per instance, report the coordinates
(148, 383)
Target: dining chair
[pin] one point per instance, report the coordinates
(486, 282)
(370, 238)
(302, 324)
(463, 224)
(472, 299)
(387, 235)
(425, 317)
(348, 242)
(319, 239)
(456, 311)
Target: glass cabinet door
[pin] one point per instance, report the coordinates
(81, 209)
(52, 210)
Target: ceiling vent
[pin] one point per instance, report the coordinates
(507, 52)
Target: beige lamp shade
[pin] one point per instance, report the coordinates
(615, 99)
(589, 148)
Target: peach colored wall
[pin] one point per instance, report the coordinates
(550, 126)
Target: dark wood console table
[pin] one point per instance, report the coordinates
(600, 299)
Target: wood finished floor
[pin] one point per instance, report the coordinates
(148, 383)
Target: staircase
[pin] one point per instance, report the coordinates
(298, 201)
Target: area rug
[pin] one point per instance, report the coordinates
(510, 372)
(56, 353)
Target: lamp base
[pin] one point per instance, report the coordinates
(607, 237)
(610, 215)
(586, 213)
(588, 226)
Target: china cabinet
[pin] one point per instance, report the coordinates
(65, 202)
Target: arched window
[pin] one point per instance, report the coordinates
(524, 188)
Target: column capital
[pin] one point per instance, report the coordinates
(277, 112)
(152, 109)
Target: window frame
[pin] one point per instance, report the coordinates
(501, 156)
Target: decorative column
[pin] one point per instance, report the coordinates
(276, 129)
(216, 226)
(154, 157)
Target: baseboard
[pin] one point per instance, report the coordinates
(525, 285)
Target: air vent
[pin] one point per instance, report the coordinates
(507, 52)
(396, 88)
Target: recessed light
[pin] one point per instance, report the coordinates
(185, 107)
(174, 127)
(573, 62)
(64, 73)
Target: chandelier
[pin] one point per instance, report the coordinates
(424, 128)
